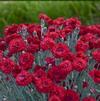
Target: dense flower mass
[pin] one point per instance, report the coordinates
(60, 58)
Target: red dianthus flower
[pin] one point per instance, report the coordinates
(16, 45)
(81, 46)
(65, 67)
(10, 29)
(7, 65)
(24, 78)
(96, 55)
(60, 50)
(79, 64)
(26, 60)
(47, 43)
(44, 85)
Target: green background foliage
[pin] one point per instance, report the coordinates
(28, 11)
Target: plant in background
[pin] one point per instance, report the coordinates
(57, 60)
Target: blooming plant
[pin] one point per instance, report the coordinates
(57, 60)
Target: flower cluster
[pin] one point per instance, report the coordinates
(59, 57)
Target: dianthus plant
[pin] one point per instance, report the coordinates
(56, 60)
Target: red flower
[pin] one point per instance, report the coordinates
(82, 55)
(37, 67)
(44, 85)
(95, 74)
(70, 56)
(33, 40)
(45, 17)
(94, 29)
(38, 73)
(97, 43)
(93, 44)
(53, 35)
(96, 55)
(32, 48)
(24, 78)
(65, 67)
(34, 28)
(89, 98)
(10, 29)
(26, 60)
(59, 21)
(79, 64)
(71, 95)
(64, 32)
(7, 65)
(16, 45)
(82, 46)
(58, 91)
(31, 28)
(88, 37)
(8, 38)
(73, 22)
(47, 43)
(60, 50)
(54, 98)
(83, 30)
(33, 44)
(16, 70)
(51, 28)
(56, 74)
